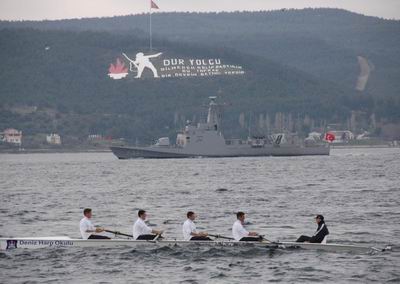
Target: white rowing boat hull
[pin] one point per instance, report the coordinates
(65, 242)
(330, 247)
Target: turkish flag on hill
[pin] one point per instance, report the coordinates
(153, 5)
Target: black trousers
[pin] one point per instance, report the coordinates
(303, 239)
(198, 238)
(94, 237)
(146, 237)
(250, 239)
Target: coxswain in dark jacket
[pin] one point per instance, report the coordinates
(319, 235)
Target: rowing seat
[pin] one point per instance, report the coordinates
(324, 240)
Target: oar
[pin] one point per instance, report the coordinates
(155, 239)
(118, 233)
(220, 237)
(263, 238)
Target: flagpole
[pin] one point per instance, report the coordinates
(151, 39)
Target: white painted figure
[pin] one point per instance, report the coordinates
(142, 61)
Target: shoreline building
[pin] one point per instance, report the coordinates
(53, 139)
(11, 136)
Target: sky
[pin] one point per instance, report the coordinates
(66, 9)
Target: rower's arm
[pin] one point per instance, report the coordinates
(157, 232)
(244, 232)
(200, 234)
(147, 230)
(97, 230)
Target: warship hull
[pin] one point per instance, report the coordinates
(175, 152)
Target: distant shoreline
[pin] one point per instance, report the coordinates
(51, 151)
(361, 146)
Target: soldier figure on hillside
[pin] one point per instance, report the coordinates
(142, 61)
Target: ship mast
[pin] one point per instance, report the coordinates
(213, 117)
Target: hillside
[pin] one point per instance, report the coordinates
(322, 42)
(61, 68)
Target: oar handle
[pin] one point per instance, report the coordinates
(118, 233)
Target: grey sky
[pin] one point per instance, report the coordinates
(60, 9)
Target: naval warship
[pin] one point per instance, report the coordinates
(206, 140)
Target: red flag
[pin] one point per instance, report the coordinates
(153, 5)
(330, 137)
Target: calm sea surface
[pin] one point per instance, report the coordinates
(357, 190)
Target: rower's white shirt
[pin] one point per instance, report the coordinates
(238, 231)
(84, 225)
(140, 228)
(188, 228)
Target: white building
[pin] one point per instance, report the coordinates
(12, 136)
(53, 139)
(314, 135)
(94, 137)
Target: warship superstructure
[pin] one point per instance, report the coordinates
(207, 140)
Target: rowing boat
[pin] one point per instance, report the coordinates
(66, 242)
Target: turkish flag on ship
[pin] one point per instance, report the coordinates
(330, 137)
(153, 5)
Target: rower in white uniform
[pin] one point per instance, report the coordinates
(240, 233)
(87, 229)
(143, 232)
(189, 229)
